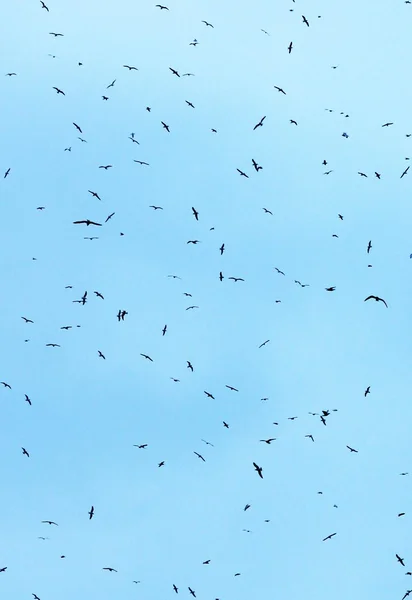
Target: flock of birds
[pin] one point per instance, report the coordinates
(88, 222)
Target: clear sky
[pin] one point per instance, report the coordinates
(157, 525)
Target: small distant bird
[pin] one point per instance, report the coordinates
(161, 7)
(260, 124)
(141, 162)
(207, 443)
(105, 97)
(362, 174)
(161, 464)
(112, 84)
(279, 89)
(147, 357)
(340, 217)
(310, 436)
(231, 388)
(206, 562)
(101, 355)
(91, 513)
(110, 216)
(368, 249)
(401, 514)
(199, 456)
(377, 175)
(221, 276)
(330, 289)
(209, 395)
(293, 122)
(367, 391)
(27, 320)
(189, 365)
(267, 211)
(43, 5)
(208, 24)
(195, 213)
(352, 449)
(77, 127)
(87, 222)
(141, 446)
(105, 167)
(189, 104)
(405, 172)
(156, 207)
(7, 173)
(10, 74)
(256, 166)
(53, 345)
(25, 452)
(235, 279)
(377, 299)
(400, 560)
(258, 470)
(165, 126)
(130, 68)
(222, 249)
(164, 330)
(387, 124)
(264, 343)
(109, 569)
(3, 569)
(225, 425)
(304, 19)
(35, 596)
(290, 47)
(94, 194)
(279, 271)
(59, 91)
(27, 399)
(174, 587)
(268, 441)
(174, 72)
(242, 173)
(56, 34)
(50, 523)
(329, 537)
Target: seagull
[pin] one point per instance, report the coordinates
(377, 299)
(267, 211)
(329, 537)
(174, 72)
(199, 456)
(189, 365)
(56, 34)
(112, 84)
(260, 124)
(59, 91)
(165, 126)
(264, 344)
(233, 389)
(10, 74)
(209, 395)
(156, 207)
(7, 173)
(94, 194)
(405, 172)
(147, 357)
(87, 222)
(141, 162)
(110, 216)
(27, 399)
(161, 7)
(105, 167)
(242, 173)
(268, 441)
(101, 355)
(140, 445)
(368, 249)
(235, 279)
(77, 127)
(43, 5)
(27, 320)
(109, 569)
(130, 68)
(208, 24)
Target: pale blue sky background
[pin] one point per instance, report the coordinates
(158, 525)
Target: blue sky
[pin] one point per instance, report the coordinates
(157, 525)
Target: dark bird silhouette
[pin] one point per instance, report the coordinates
(174, 587)
(208, 24)
(367, 391)
(256, 166)
(209, 395)
(51, 523)
(310, 436)
(400, 560)
(293, 122)
(207, 443)
(260, 124)
(59, 91)
(328, 537)
(35, 596)
(94, 194)
(174, 72)
(156, 207)
(194, 242)
(242, 173)
(10, 74)
(267, 211)
(258, 470)
(268, 441)
(377, 299)
(387, 124)
(99, 295)
(165, 126)
(101, 355)
(161, 464)
(352, 449)
(105, 167)
(27, 320)
(91, 513)
(110, 216)
(279, 89)
(56, 34)
(195, 213)
(105, 97)
(221, 276)
(77, 127)
(133, 140)
(235, 279)
(43, 5)
(141, 162)
(189, 365)
(279, 271)
(53, 345)
(290, 47)
(146, 357)
(130, 68)
(109, 569)
(199, 456)
(189, 104)
(27, 399)
(141, 446)
(264, 344)
(7, 173)
(401, 514)
(225, 425)
(161, 7)
(87, 222)
(368, 249)
(362, 174)
(3, 569)
(404, 173)
(377, 175)
(330, 289)
(304, 19)
(231, 388)
(112, 84)
(25, 452)
(164, 330)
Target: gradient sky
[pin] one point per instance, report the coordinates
(157, 525)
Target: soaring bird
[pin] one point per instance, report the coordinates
(304, 19)
(25, 452)
(400, 560)
(77, 127)
(404, 173)
(43, 5)
(27, 399)
(94, 194)
(209, 395)
(27, 320)
(165, 126)
(91, 513)
(164, 330)
(231, 388)
(99, 295)
(367, 391)
(10, 74)
(51, 523)
(377, 299)
(7, 173)
(290, 47)
(174, 72)
(195, 213)
(199, 456)
(87, 222)
(56, 34)
(242, 173)
(330, 289)
(189, 104)
(387, 124)
(260, 124)
(256, 166)
(146, 357)
(161, 7)
(352, 449)
(130, 68)
(267, 211)
(101, 355)
(279, 89)
(264, 344)
(368, 249)
(105, 167)
(328, 537)
(110, 216)
(189, 365)
(222, 249)
(268, 441)
(59, 91)
(109, 569)
(208, 24)
(258, 470)
(112, 84)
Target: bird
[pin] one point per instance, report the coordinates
(328, 537)
(10, 74)
(367, 391)
(175, 589)
(156, 207)
(99, 295)
(27, 399)
(35, 596)
(189, 104)
(87, 222)
(174, 72)
(194, 242)
(352, 449)
(330, 289)
(91, 513)
(94, 194)
(368, 249)
(25, 452)
(400, 560)
(3, 569)
(256, 166)
(105, 97)
(53, 345)
(231, 388)
(304, 19)
(377, 175)
(290, 47)
(264, 344)
(110, 216)
(405, 172)
(387, 124)
(161, 7)
(377, 299)
(51, 523)
(199, 456)
(260, 124)
(362, 174)
(207, 443)
(293, 122)
(222, 249)
(112, 84)
(268, 441)
(56, 34)
(189, 365)
(6, 174)
(165, 126)
(258, 470)
(242, 173)
(105, 167)
(279, 271)
(279, 89)
(221, 276)
(141, 446)
(109, 569)
(133, 140)
(43, 5)
(141, 162)
(164, 330)
(401, 514)
(27, 320)
(246, 507)
(147, 357)
(130, 68)
(101, 355)
(235, 279)
(77, 127)
(225, 425)
(59, 91)
(161, 464)
(267, 211)
(208, 24)
(310, 436)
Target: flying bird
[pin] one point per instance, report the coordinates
(279, 89)
(404, 173)
(304, 19)
(77, 127)
(112, 84)
(290, 47)
(7, 173)
(260, 124)
(256, 166)
(161, 7)
(130, 68)
(25, 452)
(258, 470)
(367, 391)
(27, 320)
(87, 222)
(195, 213)
(101, 355)
(109, 569)
(165, 126)
(147, 357)
(105, 167)
(242, 173)
(264, 344)
(368, 249)
(400, 560)
(208, 24)
(233, 389)
(43, 5)
(268, 441)
(199, 456)
(352, 449)
(189, 365)
(59, 91)
(51, 523)
(377, 299)
(91, 513)
(329, 537)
